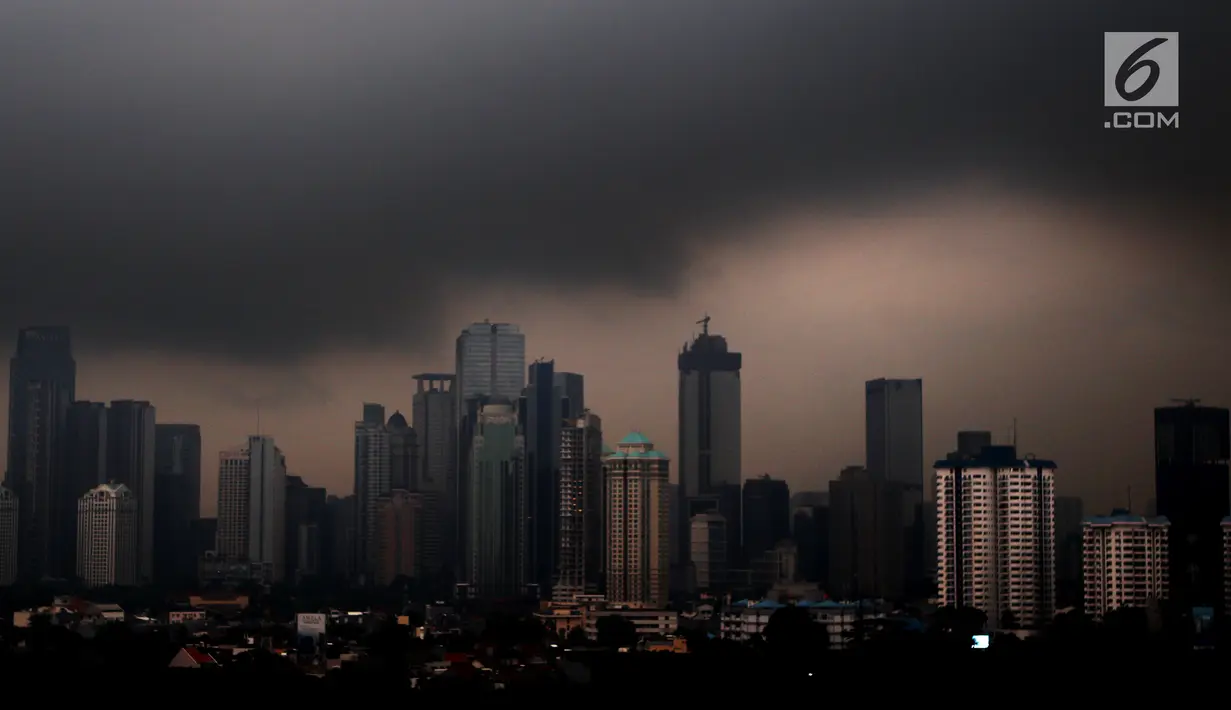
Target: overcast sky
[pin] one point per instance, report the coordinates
(302, 203)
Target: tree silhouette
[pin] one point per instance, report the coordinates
(576, 637)
(615, 631)
(791, 631)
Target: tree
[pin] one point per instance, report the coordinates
(576, 637)
(791, 631)
(1008, 621)
(615, 631)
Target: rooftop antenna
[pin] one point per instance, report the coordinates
(258, 418)
(705, 324)
(1130, 499)
(1014, 433)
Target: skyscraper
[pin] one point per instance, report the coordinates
(709, 429)
(252, 506)
(130, 460)
(403, 453)
(572, 389)
(435, 424)
(767, 515)
(579, 541)
(107, 518)
(498, 504)
(865, 536)
(177, 496)
(395, 537)
(540, 415)
(8, 537)
(42, 383)
(304, 538)
(1192, 445)
(372, 481)
(85, 466)
(996, 535)
(636, 477)
(490, 363)
(894, 418)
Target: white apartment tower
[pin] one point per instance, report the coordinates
(252, 506)
(995, 530)
(107, 526)
(638, 541)
(1124, 561)
(8, 537)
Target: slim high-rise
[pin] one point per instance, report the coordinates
(372, 481)
(894, 449)
(177, 496)
(107, 519)
(498, 504)
(579, 555)
(85, 466)
(996, 542)
(710, 445)
(435, 424)
(636, 477)
(252, 506)
(865, 536)
(130, 461)
(395, 538)
(42, 383)
(540, 410)
(1192, 445)
(767, 515)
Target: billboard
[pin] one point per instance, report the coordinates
(312, 625)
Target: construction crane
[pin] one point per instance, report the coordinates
(705, 324)
(1186, 402)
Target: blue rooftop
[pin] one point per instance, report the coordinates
(636, 437)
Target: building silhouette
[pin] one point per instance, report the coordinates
(766, 514)
(435, 425)
(177, 500)
(894, 447)
(498, 523)
(396, 522)
(580, 530)
(85, 466)
(8, 537)
(373, 480)
(130, 460)
(540, 412)
(865, 536)
(252, 507)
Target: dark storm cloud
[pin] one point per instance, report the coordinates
(266, 179)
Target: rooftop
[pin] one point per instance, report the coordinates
(1125, 519)
(636, 437)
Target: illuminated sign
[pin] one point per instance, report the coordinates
(980, 641)
(310, 624)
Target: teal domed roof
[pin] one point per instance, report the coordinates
(636, 437)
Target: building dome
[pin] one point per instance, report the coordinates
(397, 421)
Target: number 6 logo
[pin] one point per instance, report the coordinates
(1134, 63)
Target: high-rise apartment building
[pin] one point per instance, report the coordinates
(1124, 561)
(42, 382)
(894, 448)
(8, 537)
(996, 550)
(710, 438)
(579, 519)
(497, 504)
(638, 554)
(1192, 446)
(372, 481)
(130, 461)
(107, 550)
(866, 546)
(252, 506)
(177, 496)
(435, 423)
(396, 524)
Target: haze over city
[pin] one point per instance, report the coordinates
(302, 209)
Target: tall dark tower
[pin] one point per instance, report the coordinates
(1191, 449)
(42, 384)
(709, 426)
(177, 500)
(541, 418)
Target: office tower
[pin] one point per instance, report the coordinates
(767, 515)
(304, 530)
(204, 536)
(373, 413)
(42, 382)
(435, 425)
(403, 452)
(1124, 561)
(372, 480)
(107, 521)
(396, 522)
(498, 504)
(1069, 516)
(572, 391)
(8, 537)
(252, 506)
(1191, 447)
(894, 442)
(865, 536)
(996, 535)
(970, 443)
(810, 528)
(340, 537)
(85, 466)
(638, 555)
(709, 429)
(130, 461)
(579, 544)
(177, 496)
(540, 416)
(707, 542)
